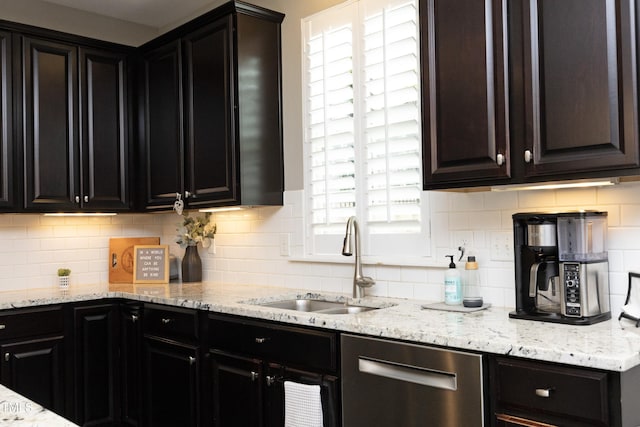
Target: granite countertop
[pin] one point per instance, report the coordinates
(607, 345)
(19, 411)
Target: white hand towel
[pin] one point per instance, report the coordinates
(302, 405)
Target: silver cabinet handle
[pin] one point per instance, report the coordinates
(77, 199)
(271, 379)
(192, 360)
(261, 340)
(3, 326)
(187, 194)
(165, 321)
(543, 392)
(7, 356)
(500, 159)
(528, 156)
(86, 199)
(134, 318)
(254, 376)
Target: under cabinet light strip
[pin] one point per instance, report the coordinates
(223, 209)
(81, 214)
(557, 185)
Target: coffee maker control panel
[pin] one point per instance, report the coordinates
(572, 287)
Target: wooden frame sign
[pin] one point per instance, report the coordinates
(151, 264)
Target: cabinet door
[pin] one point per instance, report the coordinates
(131, 360)
(465, 120)
(96, 364)
(172, 395)
(50, 125)
(35, 369)
(104, 145)
(580, 85)
(163, 134)
(237, 390)
(8, 175)
(277, 374)
(210, 145)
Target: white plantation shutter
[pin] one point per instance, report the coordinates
(362, 127)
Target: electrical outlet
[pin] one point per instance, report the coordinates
(501, 246)
(284, 245)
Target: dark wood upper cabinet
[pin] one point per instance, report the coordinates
(210, 148)
(212, 113)
(528, 90)
(162, 108)
(464, 88)
(8, 189)
(580, 92)
(104, 138)
(75, 127)
(51, 152)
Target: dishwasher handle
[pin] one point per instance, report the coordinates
(414, 374)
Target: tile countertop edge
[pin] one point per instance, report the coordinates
(604, 346)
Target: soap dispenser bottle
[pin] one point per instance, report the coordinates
(452, 284)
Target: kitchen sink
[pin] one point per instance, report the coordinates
(318, 306)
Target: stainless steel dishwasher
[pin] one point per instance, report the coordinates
(388, 383)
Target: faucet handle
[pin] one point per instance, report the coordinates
(365, 282)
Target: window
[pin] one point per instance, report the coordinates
(362, 127)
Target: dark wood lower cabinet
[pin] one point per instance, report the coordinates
(250, 361)
(131, 364)
(232, 377)
(541, 394)
(35, 369)
(96, 364)
(171, 384)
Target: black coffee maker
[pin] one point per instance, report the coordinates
(561, 267)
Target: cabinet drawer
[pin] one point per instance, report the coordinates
(171, 322)
(284, 344)
(555, 390)
(31, 322)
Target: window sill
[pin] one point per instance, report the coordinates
(372, 260)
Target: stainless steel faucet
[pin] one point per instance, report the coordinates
(359, 281)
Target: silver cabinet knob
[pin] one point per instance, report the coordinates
(192, 360)
(528, 156)
(187, 194)
(500, 159)
(261, 340)
(7, 356)
(77, 199)
(271, 379)
(165, 321)
(254, 375)
(86, 199)
(543, 392)
(134, 318)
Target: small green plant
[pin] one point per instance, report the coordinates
(64, 272)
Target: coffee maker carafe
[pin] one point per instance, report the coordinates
(561, 267)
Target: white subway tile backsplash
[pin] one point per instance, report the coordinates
(248, 244)
(576, 198)
(536, 199)
(467, 202)
(630, 215)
